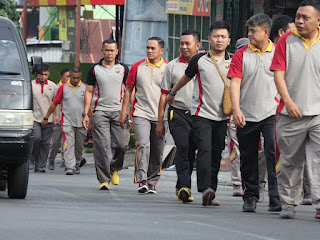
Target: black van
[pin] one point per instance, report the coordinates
(16, 114)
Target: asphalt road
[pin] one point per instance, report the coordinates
(71, 207)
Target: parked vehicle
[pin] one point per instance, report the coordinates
(16, 114)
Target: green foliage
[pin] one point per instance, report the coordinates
(8, 10)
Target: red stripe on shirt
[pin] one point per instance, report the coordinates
(59, 95)
(134, 103)
(96, 102)
(279, 60)
(280, 106)
(200, 91)
(164, 91)
(235, 70)
(132, 76)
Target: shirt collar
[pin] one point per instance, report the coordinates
(268, 49)
(70, 85)
(101, 61)
(295, 32)
(37, 81)
(182, 59)
(152, 65)
(227, 55)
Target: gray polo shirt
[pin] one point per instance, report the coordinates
(258, 92)
(301, 64)
(172, 74)
(71, 99)
(146, 78)
(208, 91)
(109, 85)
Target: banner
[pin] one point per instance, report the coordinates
(74, 2)
(63, 27)
(189, 7)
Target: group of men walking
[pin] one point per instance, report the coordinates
(187, 94)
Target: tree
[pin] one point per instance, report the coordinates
(8, 10)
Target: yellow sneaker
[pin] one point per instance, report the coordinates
(185, 195)
(115, 178)
(104, 186)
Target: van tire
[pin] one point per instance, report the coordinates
(18, 176)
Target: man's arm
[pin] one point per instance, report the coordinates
(125, 105)
(238, 117)
(51, 109)
(182, 82)
(56, 117)
(161, 109)
(281, 85)
(87, 105)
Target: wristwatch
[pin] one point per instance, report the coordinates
(46, 119)
(171, 94)
(84, 114)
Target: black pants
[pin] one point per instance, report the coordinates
(249, 138)
(180, 128)
(209, 137)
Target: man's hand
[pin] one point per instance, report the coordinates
(122, 119)
(293, 109)
(44, 123)
(239, 119)
(170, 99)
(86, 122)
(56, 120)
(160, 130)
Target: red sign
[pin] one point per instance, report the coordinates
(201, 8)
(74, 2)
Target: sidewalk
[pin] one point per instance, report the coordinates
(224, 177)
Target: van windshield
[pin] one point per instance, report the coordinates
(10, 63)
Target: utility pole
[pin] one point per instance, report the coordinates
(24, 23)
(77, 50)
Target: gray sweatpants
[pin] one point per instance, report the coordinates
(149, 151)
(110, 143)
(40, 151)
(73, 138)
(55, 143)
(298, 140)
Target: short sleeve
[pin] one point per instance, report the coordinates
(192, 69)
(235, 70)
(132, 76)
(59, 95)
(166, 83)
(279, 58)
(126, 72)
(91, 78)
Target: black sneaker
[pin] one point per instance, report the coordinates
(82, 162)
(250, 204)
(143, 187)
(275, 204)
(151, 188)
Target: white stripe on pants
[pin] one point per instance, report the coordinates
(298, 140)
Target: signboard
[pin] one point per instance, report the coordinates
(74, 2)
(63, 27)
(189, 7)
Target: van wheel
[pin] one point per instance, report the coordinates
(3, 185)
(18, 176)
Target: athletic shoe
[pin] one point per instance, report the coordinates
(275, 204)
(207, 196)
(115, 178)
(317, 216)
(237, 191)
(77, 170)
(82, 162)
(184, 194)
(51, 166)
(104, 186)
(287, 212)
(306, 201)
(62, 165)
(40, 170)
(176, 197)
(143, 187)
(31, 165)
(261, 192)
(151, 188)
(249, 205)
(214, 202)
(69, 171)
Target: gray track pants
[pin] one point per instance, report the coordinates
(149, 151)
(110, 143)
(55, 143)
(298, 140)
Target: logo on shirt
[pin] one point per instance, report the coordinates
(117, 70)
(82, 93)
(50, 88)
(226, 65)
